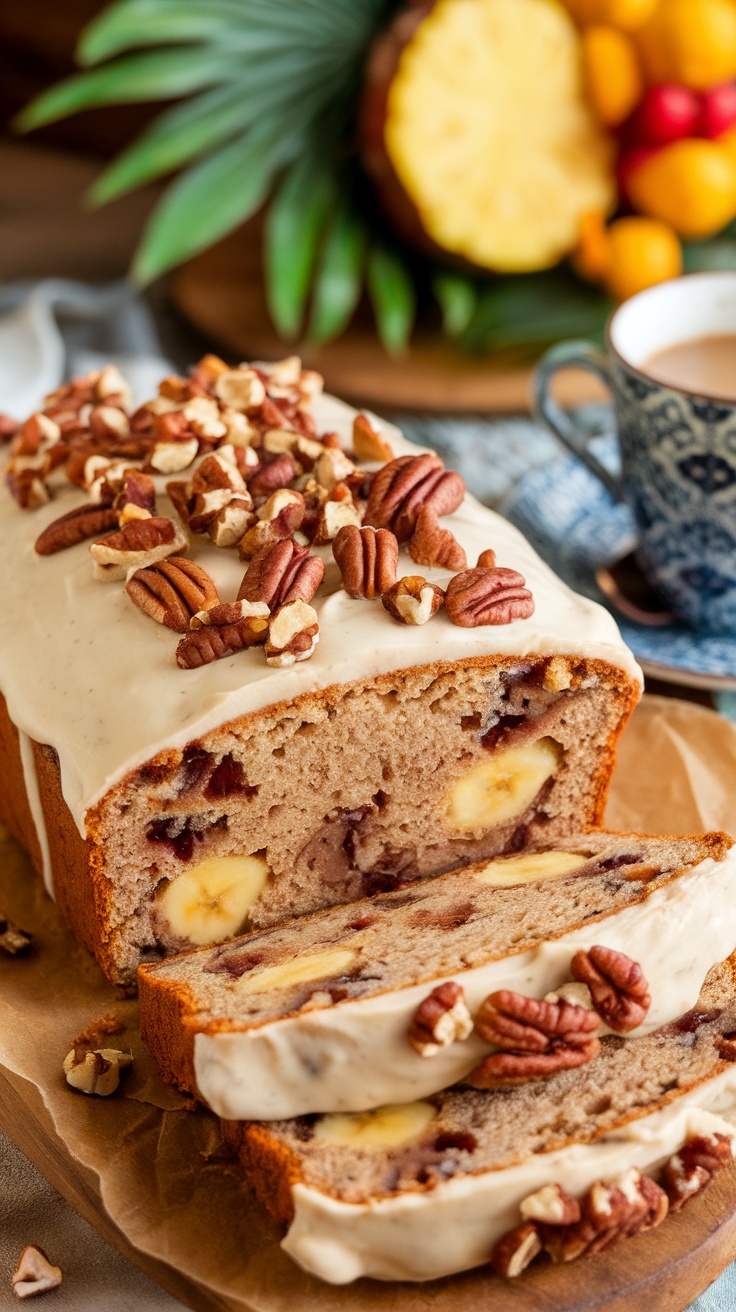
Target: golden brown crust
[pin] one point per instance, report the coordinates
(165, 1008)
(14, 806)
(270, 1166)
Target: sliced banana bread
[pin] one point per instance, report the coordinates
(317, 1016)
(420, 1190)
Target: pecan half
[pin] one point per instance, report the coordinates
(172, 591)
(34, 1273)
(368, 559)
(293, 634)
(516, 1250)
(86, 521)
(617, 986)
(431, 544)
(488, 596)
(611, 1209)
(140, 543)
(442, 1018)
(404, 485)
(368, 440)
(413, 600)
(281, 573)
(222, 631)
(537, 1039)
(13, 940)
(690, 1170)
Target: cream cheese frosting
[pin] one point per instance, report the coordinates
(355, 1055)
(85, 671)
(453, 1227)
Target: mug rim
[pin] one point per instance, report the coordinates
(639, 373)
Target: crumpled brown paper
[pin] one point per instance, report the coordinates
(162, 1178)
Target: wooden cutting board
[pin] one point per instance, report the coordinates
(221, 293)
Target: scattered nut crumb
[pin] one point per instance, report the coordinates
(35, 1274)
(13, 940)
(97, 1072)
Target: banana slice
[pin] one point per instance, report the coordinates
(299, 970)
(211, 901)
(530, 868)
(386, 1127)
(503, 786)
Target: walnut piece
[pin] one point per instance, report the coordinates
(440, 1019)
(536, 1038)
(96, 1072)
(34, 1273)
(619, 991)
(488, 596)
(368, 559)
(413, 600)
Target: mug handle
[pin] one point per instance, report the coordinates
(566, 355)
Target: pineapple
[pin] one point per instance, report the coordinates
(488, 134)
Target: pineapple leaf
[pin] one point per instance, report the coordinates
(535, 309)
(296, 219)
(393, 296)
(457, 297)
(339, 277)
(136, 23)
(153, 75)
(212, 197)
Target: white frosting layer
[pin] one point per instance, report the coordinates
(87, 672)
(453, 1227)
(30, 779)
(355, 1055)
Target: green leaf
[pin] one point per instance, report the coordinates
(212, 198)
(535, 309)
(393, 295)
(154, 75)
(174, 138)
(146, 23)
(296, 220)
(710, 256)
(458, 298)
(339, 278)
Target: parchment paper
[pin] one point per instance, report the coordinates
(162, 1176)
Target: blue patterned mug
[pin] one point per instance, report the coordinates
(678, 449)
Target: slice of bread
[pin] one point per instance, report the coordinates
(422, 1190)
(315, 1016)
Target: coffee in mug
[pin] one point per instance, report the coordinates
(706, 365)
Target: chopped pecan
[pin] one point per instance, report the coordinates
(135, 498)
(537, 1038)
(34, 1273)
(280, 441)
(617, 986)
(96, 1072)
(220, 632)
(488, 596)
(690, 1170)
(172, 591)
(431, 544)
(108, 422)
(278, 518)
(231, 521)
(442, 1018)
(37, 434)
(413, 600)
(611, 1209)
(86, 521)
(550, 1205)
(338, 512)
(172, 457)
(8, 427)
(333, 467)
(240, 389)
(281, 573)
(368, 440)
(487, 559)
(270, 478)
(13, 940)
(404, 485)
(516, 1250)
(26, 486)
(142, 542)
(293, 634)
(368, 559)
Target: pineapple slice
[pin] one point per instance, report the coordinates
(489, 134)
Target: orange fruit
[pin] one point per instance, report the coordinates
(690, 41)
(691, 185)
(592, 255)
(626, 14)
(613, 79)
(642, 252)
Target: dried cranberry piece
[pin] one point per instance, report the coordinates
(615, 862)
(234, 963)
(196, 764)
(466, 1143)
(228, 778)
(181, 842)
(692, 1020)
(503, 727)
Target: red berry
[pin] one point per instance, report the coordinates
(718, 110)
(666, 113)
(627, 165)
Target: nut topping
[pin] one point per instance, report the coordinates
(487, 559)
(413, 600)
(172, 591)
(488, 596)
(516, 1250)
(431, 544)
(335, 516)
(281, 573)
(551, 1205)
(86, 521)
(34, 1274)
(26, 486)
(13, 940)
(140, 543)
(368, 440)
(619, 991)
(368, 559)
(293, 634)
(96, 1072)
(271, 477)
(404, 485)
(690, 1170)
(536, 1038)
(222, 631)
(278, 518)
(442, 1018)
(333, 467)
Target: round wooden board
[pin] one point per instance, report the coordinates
(221, 293)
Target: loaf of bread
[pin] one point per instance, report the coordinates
(419, 1190)
(317, 1016)
(170, 807)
